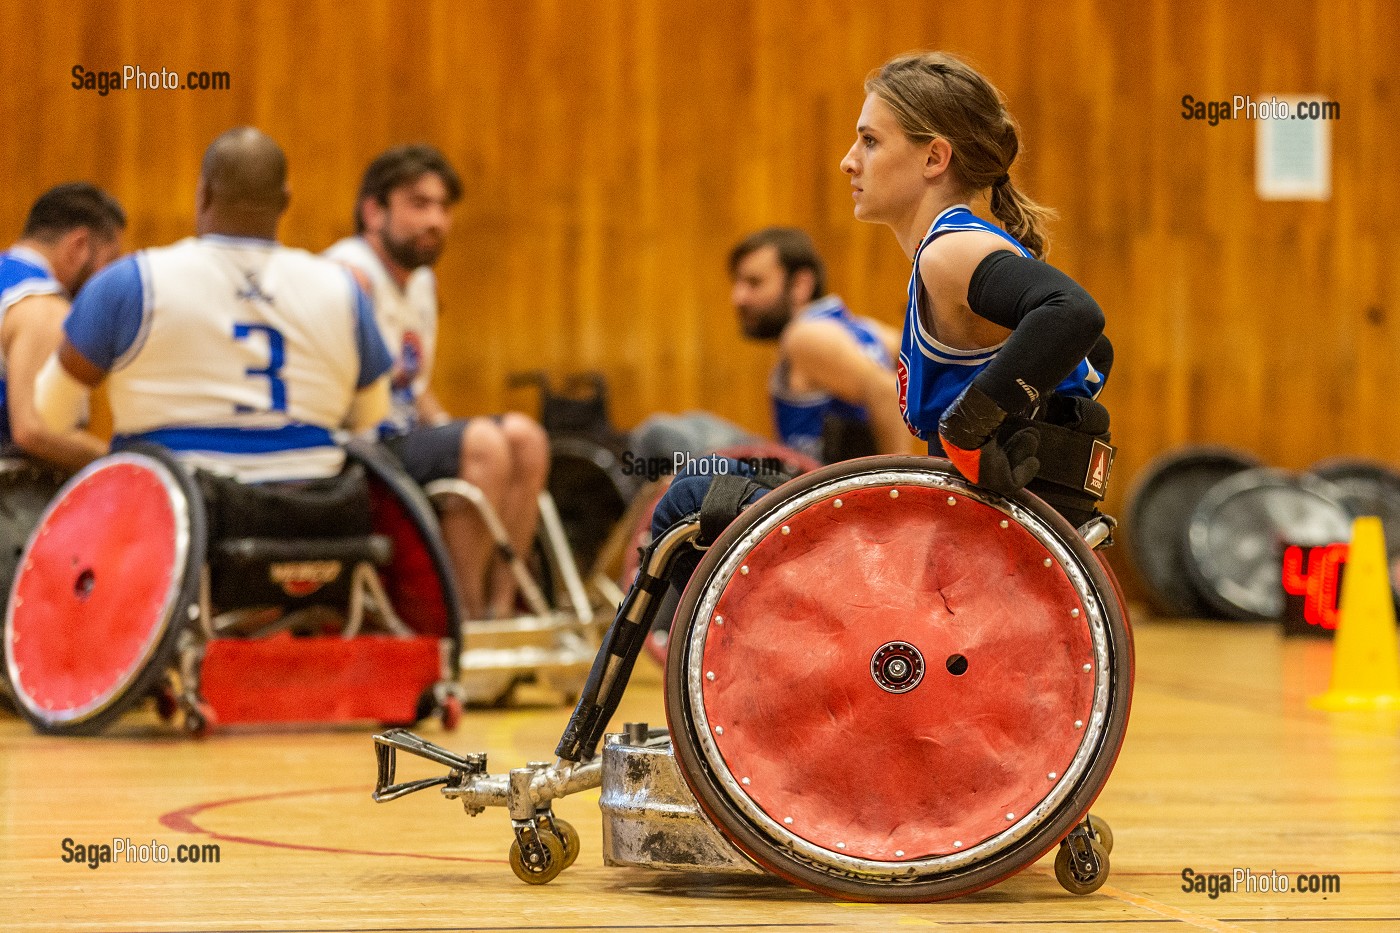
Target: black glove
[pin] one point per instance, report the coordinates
(968, 433)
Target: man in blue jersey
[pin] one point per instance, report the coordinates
(72, 231)
(832, 389)
(240, 355)
(835, 371)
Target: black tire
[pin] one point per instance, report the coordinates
(1159, 506)
(591, 493)
(381, 465)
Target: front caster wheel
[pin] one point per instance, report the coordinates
(539, 860)
(1081, 865)
(568, 837)
(451, 712)
(1100, 828)
(167, 700)
(200, 720)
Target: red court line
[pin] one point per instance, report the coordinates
(183, 821)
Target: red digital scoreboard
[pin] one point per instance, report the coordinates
(1314, 574)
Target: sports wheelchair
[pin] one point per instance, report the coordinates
(329, 600)
(883, 684)
(566, 599)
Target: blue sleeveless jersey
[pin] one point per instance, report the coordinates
(23, 273)
(799, 416)
(931, 374)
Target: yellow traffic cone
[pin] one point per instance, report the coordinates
(1365, 657)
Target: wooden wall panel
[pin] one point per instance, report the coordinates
(613, 151)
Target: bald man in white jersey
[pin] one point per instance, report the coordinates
(403, 216)
(240, 355)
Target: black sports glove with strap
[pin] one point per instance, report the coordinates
(968, 433)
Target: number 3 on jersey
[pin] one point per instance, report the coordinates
(276, 357)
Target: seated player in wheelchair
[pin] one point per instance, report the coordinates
(402, 218)
(893, 679)
(72, 231)
(1002, 356)
(230, 362)
(237, 354)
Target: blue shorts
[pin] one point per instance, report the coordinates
(683, 500)
(429, 453)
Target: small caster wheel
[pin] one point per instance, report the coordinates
(167, 702)
(1100, 828)
(567, 835)
(200, 720)
(539, 861)
(1080, 871)
(451, 712)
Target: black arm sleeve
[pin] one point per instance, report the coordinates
(1054, 324)
(1101, 356)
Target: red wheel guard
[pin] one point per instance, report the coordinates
(803, 726)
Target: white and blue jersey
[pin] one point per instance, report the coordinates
(931, 374)
(408, 319)
(240, 355)
(23, 273)
(800, 416)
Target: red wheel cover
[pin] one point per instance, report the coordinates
(804, 729)
(94, 591)
(411, 580)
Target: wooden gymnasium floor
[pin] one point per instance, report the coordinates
(1224, 767)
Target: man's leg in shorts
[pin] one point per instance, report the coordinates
(507, 461)
(527, 453)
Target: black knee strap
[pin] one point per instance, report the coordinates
(722, 503)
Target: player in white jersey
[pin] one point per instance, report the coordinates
(402, 217)
(72, 231)
(239, 354)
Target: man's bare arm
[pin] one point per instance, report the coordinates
(370, 405)
(822, 354)
(32, 331)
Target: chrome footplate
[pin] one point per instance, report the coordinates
(389, 744)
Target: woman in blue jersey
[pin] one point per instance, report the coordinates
(999, 349)
(992, 335)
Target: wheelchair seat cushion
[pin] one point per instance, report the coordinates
(336, 507)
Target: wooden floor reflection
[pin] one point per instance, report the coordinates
(1224, 766)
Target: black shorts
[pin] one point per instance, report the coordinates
(429, 453)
